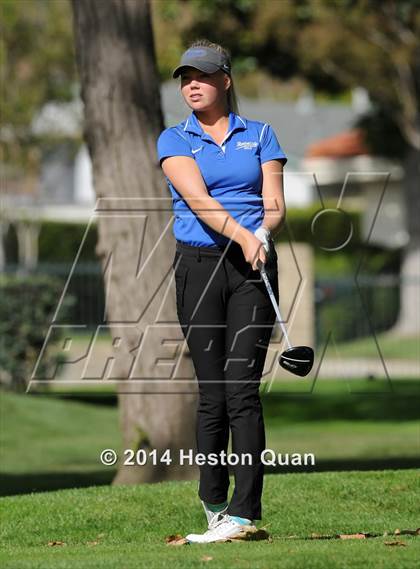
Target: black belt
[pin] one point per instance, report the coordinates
(216, 251)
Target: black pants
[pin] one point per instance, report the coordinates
(227, 319)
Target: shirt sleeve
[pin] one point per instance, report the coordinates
(172, 143)
(270, 148)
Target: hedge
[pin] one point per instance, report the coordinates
(27, 305)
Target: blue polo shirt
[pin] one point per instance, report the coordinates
(231, 171)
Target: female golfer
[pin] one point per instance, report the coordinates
(225, 176)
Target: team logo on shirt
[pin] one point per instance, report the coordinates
(246, 145)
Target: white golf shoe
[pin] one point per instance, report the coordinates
(221, 527)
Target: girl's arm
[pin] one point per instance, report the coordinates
(185, 176)
(273, 196)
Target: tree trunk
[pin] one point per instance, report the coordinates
(123, 118)
(409, 317)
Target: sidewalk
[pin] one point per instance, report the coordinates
(365, 367)
(352, 368)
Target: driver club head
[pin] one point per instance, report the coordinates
(298, 360)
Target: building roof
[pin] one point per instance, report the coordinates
(342, 145)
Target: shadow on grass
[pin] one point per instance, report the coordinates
(342, 465)
(287, 408)
(14, 484)
(25, 483)
(105, 399)
(292, 408)
(369, 400)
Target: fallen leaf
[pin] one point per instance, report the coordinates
(176, 539)
(171, 537)
(206, 558)
(51, 543)
(359, 535)
(257, 534)
(92, 542)
(352, 536)
(407, 531)
(401, 543)
(320, 536)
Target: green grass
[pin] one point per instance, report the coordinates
(390, 345)
(47, 443)
(357, 424)
(343, 387)
(52, 443)
(345, 440)
(294, 385)
(129, 524)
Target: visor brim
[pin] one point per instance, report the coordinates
(204, 66)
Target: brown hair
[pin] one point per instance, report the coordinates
(232, 101)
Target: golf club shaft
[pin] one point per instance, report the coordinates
(274, 303)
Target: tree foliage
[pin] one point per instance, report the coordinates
(334, 45)
(37, 65)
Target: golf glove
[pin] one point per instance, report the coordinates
(264, 236)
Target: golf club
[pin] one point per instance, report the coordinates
(299, 359)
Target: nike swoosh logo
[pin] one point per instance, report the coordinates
(196, 150)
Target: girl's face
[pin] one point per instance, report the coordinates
(203, 91)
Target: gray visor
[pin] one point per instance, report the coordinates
(203, 58)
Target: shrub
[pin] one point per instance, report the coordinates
(60, 242)
(27, 304)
